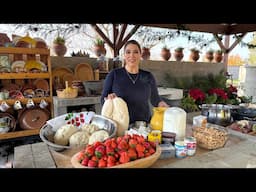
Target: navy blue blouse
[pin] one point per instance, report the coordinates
(137, 90)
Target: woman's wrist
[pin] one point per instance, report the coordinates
(163, 104)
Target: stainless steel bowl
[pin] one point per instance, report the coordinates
(47, 133)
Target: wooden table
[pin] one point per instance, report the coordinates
(62, 159)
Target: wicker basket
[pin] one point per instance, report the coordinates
(67, 93)
(140, 163)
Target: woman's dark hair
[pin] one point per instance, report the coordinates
(132, 42)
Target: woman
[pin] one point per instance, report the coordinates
(135, 86)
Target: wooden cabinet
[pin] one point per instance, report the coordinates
(13, 77)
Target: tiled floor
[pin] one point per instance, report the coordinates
(7, 149)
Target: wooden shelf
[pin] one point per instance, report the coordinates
(22, 133)
(20, 50)
(25, 100)
(24, 75)
(44, 56)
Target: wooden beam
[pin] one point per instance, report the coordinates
(121, 34)
(225, 59)
(133, 30)
(238, 40)
(222, 47)
(102, 35)
(115, 34)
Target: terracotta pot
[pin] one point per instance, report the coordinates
(99, 50)
(165, 54)
(145, 54)
(209, 56)
(178, 55)
(218, 57)
(59, 49)
(194, 56)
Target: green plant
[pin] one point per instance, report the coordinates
(179, 49)
(165, 48)
(194, 50)
(189, 104)
(99, 42)
(210, 51)
(219, 51)
(59, 40)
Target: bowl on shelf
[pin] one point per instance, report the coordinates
(47, 132)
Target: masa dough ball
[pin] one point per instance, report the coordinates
(90, 128)
(100, 135)
(63, 134)
(79, 139)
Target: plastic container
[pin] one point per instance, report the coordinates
(180, 149)
(175, 121)
(168, 151)
(210, 137)
(190, 143)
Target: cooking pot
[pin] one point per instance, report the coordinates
(217, 114)
(244, 113)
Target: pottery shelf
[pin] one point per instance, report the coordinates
(27, 54)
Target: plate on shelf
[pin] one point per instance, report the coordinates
(18, 66)
(69, 78)
(59, 72)
(33, 118)
(84, 72)
(41, 84)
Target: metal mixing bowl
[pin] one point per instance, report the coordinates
(47, 133)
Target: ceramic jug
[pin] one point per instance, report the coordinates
(156, 121)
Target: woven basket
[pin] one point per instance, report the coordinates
(140, 163)
(63, 94)
(12, 123)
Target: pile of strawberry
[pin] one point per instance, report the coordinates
(115, 151)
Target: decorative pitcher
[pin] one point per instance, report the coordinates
(156, 121)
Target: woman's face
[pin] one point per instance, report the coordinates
(132, 55)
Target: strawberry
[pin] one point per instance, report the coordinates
(89, 151)
(132, 143)
(132, 154)
(124, 157)
(85, 161)
(100, 151)
(102, 163)
(92, 163)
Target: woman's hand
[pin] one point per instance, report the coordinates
(163, 104)
(110, 96)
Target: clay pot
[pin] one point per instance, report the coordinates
(165, 54)
(218, 57)
(209, 56)
(99, 50)
(59, 49)
(145, 54)
(178, 55)
(194, 56)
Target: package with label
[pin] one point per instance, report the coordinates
(200, 121)
(168, 151)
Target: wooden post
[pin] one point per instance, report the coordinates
(225, 58)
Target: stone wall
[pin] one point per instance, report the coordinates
(158, 68)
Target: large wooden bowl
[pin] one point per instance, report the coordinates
(140, 163)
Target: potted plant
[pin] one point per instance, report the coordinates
(99, 47)
(178, 54)
(165, 53)
(145, 54)
(194, 55)
(59, 46)
(218, 55)
(209, 55)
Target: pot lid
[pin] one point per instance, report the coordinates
(33, 118)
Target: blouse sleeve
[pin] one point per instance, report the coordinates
(155, 98)
(107, 88)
